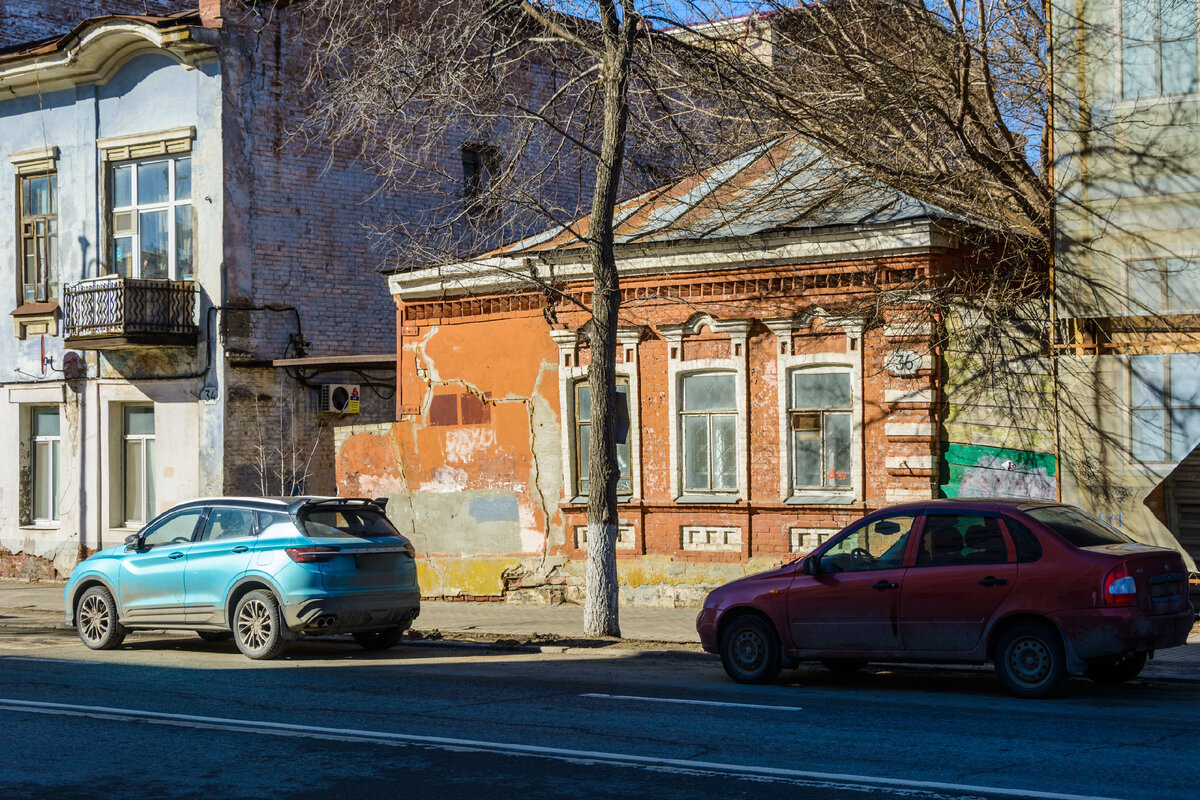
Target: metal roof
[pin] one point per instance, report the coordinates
(784, 185)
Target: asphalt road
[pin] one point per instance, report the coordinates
(170, 716)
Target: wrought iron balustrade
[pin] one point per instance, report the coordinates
(114, 311)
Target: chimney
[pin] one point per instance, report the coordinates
(210, 13)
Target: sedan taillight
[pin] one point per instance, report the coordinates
(1119, 588)
(311, 555)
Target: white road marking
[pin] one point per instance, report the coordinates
(690, 702)
(864, 783)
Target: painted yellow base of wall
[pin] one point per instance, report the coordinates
(659, 581)
(478, 576)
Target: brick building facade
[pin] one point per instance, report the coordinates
(769, 405)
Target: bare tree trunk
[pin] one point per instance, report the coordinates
(600, 616)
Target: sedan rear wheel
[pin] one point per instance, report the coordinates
(258, 626)
(1030, 660)
(379, 640)
(96, 620)
(750, 650)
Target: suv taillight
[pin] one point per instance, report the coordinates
(311, 555)
(1119, 589)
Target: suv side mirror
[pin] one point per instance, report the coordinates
(133, 541)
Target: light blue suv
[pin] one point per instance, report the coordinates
(261, 570)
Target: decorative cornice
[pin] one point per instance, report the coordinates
(568, 339)
(497, 274)
(737, 329)
(96, 54)
(28, 162)
(141, 145)
(783, 327)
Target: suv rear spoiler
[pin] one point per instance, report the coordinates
(309, 502)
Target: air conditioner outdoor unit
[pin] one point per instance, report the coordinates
(338, 398)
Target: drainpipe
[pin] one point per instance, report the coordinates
(83, 454)
(937, 410)
(1053, 335)
(99, 505)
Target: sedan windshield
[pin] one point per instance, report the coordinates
(330, 523)
(1076, 527)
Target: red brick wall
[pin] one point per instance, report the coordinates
(28, 567)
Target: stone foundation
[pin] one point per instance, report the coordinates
(647, 581)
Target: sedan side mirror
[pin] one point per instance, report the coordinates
(133, 541)
(810, 565)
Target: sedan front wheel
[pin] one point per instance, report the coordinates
(258, 626)
(750, 650)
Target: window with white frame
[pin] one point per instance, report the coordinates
(1158, 47)
(152, 218)
(819, 418)
(583, 433)
(708, 423)
(138, 470)
(1164, 399)
(44, 445)
(1164, 286)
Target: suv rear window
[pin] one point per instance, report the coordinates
(331, 523)
(1076, 527)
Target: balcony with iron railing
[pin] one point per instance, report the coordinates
(113, 311)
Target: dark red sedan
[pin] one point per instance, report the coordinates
(1040, 589)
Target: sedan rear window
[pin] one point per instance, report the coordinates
(1076, 527)
(331, 523)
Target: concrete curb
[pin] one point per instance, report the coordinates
(648, 650)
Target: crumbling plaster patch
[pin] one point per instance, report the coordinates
(538, 516)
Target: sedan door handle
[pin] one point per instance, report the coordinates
(241, 548)
(992, 581)
(176, 554)
(883, 586)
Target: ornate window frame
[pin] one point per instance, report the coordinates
(788, 362)
(736, 362)
(33, 317)
(569, 374)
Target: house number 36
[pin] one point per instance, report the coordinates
(904, 362)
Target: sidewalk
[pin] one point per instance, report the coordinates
(24, 604)
(43, 602)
